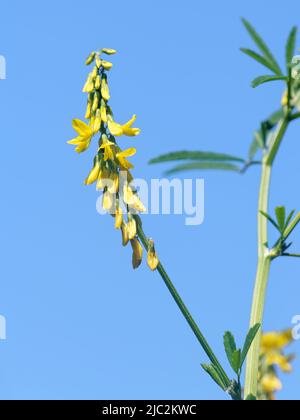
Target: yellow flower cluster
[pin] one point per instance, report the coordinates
(111, 169)
(272, 359)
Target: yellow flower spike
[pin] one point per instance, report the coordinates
(125, 164)
(90, 58)
(85, 134)
(125, 237)
(109, 51)
(94, 174)
(131, 227)
(137, 256)
(105, 90)
(97, 123)
(107, 147)
(106, 65)
(270, 383)
(107, 201)
(98, 82)
(152, 258)
(103, 112)
(119, 218)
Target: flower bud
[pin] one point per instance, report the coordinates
(98, 82)
(125, 237)
(152, 258)
(107, 201)
(93, 176)
(88, 111)
(106, 65)
(103, 111)
(90, 58)
(131, 227)
(119, 217)
(89, 85)
(108, 51)
(105, 90)
(98, 62)
(97, 123)
(96, 102)
(137, 256)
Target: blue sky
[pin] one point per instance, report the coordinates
(80, 323)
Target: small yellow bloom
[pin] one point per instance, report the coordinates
(271, 383)
(108, 201)
(89, 85)
(113, 186)
(137, 256)
(131, 228)
(85, 134)
(106, 64)
(281, 361)
(125, 164)
(103, 179)
(109, 51)
(276, 341)
(126, 129)
(119, 218)
(132, 199)
(103, 111)
(105, 90)
(88, 111)
(98, 62)
(90, 58)
(107, 147)
(152, 258)
(97, 121)
(125, 237)
(94, 174)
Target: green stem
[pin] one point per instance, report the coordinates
(184, 310)
(264, 258)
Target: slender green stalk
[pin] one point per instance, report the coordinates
(264, 258)
(184, 310)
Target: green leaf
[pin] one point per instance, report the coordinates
(275, 117)
(236, 361)
(261, 80)
(267, 216)
(256, 145)
(260, 59)
(290, 216)
(248, 342)
(290, 47)
(292, 226)
(204, 166)
(229, 345)
(280, 215)
(190, 155)
(251, 398)
(214, 374)
(262, 46)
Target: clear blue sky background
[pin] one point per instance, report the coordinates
(80, 323)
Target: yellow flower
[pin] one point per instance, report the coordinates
(131, 228)
(125, 164)
(89, 85)
(98, 82)
(97, 121)
(94, 174)
(105, 90)
(276, 341)
(103, 112)
(126, 129)
(103, 179)
(106, 65)
(281, 361)
(125, 237)
(271, 383)
(85, 134)
(108, 201)
(88, 111)
(119, 217)
(113, 185)
(152, 258)
(107, 147)
(132, 199)
(108, 51)
(137, 256)
(90, 58)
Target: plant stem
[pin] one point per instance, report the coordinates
(264, 258)
(184, 310)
